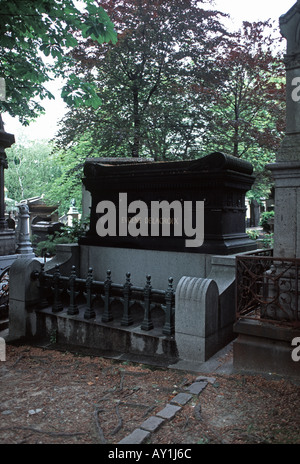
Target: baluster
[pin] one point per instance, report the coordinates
(73, 308)
(107, 314)
(43, 288)
(169, 326)
(57, 304)
(127, 318)
(89, 313)
(147, 323)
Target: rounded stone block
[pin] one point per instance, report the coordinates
(197, 302)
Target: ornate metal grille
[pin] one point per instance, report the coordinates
(4, 290)
(267, 288)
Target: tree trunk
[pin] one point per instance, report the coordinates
(236, 142)
(136, 123)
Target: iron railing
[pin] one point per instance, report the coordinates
(267, 288)
(4, 291)
(65, 292)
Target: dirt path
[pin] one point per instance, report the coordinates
(53, 397)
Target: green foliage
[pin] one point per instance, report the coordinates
(268, 240)
(53, 336)
(248, 111)
(265, 219)
(69, 183)
(31, 30)
(67, 234)
(177, 86)
(32, 169)
(152, 82)
(253, 234)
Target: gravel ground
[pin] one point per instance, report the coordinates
(54, 397)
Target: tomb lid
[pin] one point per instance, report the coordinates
(215, 162)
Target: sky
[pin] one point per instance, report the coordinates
(45, 126)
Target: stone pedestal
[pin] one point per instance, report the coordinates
(72, 214)
(287, 207)
(265, 348)
(262, 346)
(286, 170)
(24, 242)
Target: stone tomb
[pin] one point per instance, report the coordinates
(204, 276)
(217, 181)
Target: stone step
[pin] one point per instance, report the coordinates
(3, 311)
(4, 324)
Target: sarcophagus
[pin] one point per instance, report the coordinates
(195, 206)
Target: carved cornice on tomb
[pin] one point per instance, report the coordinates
(290, 29)
(292, 61)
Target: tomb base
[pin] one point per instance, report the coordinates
(262, 347)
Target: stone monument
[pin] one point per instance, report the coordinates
(286, 170)
(266, 344)
(217, 180)
(73, 213)
(7, 236)
(24, 242)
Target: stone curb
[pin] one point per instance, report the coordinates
(181, 399)
(152, 424)
(196, 387)
(169, 411)
(137, 437)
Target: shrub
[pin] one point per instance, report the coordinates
(265, 220)
(67, 234)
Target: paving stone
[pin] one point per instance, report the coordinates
(196, 387)
(181, 398)
(137, 437)
(206, 379)
(169, 411)
(152, 424)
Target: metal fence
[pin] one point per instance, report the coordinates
(63, 293)
(4, 296)
(267, 288)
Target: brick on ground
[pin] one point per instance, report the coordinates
(181, 399)
(196, 387)
(169, 411)
(152, 423)
(138, 436)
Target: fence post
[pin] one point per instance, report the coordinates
(57, 304)
(89, 313)
(73, 308)
(147, 323)
(43, 287)
(127, 318)
(169, 326)
(107, 315)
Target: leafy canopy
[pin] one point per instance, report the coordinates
(151, 80)
(32, 169)
(31, 30)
